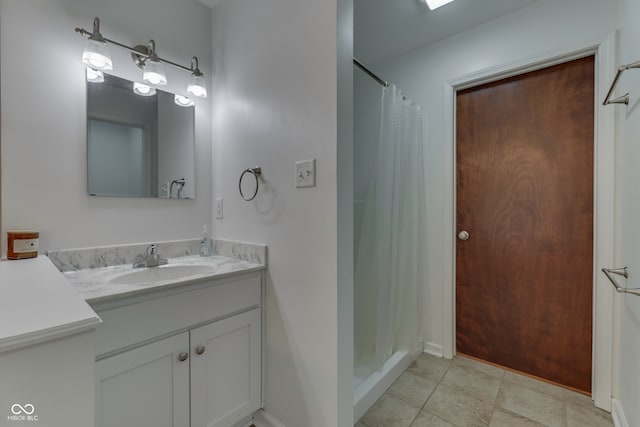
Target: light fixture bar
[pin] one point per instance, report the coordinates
(84, 32)
(146, 57)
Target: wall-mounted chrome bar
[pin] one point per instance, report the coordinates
(624, 272)
(624, 99)
(370, 73)
(133, 50)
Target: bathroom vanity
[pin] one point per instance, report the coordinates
(157, 349)
(179, 344)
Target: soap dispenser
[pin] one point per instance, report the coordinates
(205, 242)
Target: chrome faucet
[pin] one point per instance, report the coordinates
(180, 183)
(151, 258)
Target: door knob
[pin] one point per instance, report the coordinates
(183, 356)
(463, 235)
(200, 349)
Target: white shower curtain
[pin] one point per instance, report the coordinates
(390, 255)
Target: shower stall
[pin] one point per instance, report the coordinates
(389, 223)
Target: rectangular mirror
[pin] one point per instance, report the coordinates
(138, 146)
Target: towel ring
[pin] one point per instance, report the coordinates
(256, 172)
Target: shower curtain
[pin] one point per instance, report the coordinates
(390, 253)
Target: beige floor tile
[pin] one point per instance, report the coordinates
(425, 419)
(491, 370)
(359, 424)
(468, 379)
(581, 411)
(533, 384)
(502, 418)
(430, 367)
(413, 388)
(459, 408)
(532, 404)
(389, 411)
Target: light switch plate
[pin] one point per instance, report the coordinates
(306, 173)
(219, 208)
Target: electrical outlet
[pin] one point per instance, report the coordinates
(306, 173)
(219, 208)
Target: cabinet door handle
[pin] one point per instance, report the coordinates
(200, 349)
(183, 356)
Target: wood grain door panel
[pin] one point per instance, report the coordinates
(525, 195)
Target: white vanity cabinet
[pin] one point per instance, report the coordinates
(225, 370)
(146, 386)
(189, 356)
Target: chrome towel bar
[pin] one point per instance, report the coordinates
(624, 99)
(624, 272)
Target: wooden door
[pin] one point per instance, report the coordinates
(226, 371)
(525, 197)
(145, 387)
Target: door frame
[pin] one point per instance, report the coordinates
(604, 197)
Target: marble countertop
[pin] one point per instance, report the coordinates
(38, 304)
(103, 284)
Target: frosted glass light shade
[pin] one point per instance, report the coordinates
(94, 76)
(197, 86)
(154, 73)
(434, 4)
(143, 90)
(96, 55)
(183, 101)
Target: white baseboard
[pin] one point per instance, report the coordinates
(433, 349)
(265, 419)
(617, 413)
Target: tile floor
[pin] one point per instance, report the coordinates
(440, 393)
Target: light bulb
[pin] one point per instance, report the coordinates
(143, 90)
(94, 76)
(154, 73)
(183, 101)
(96, 55)
(197, 86)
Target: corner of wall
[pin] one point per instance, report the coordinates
(264, 419)
(617, 413)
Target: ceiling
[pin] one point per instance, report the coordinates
(387, 28)
(210, 3)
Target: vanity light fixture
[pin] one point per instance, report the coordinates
(434, 4)
(153, 71)
(196, 85)
(97, 57)
(94, 76)
(183, 101)
(143, 90)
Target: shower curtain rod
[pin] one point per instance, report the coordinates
(369, 72)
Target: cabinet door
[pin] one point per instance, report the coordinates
(145, 387)
(226, 377)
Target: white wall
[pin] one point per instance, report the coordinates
(628, 208)
(367, 104)
(275, 102)
(44, 179)
(544, 26)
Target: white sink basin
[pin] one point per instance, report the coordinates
(162, 273)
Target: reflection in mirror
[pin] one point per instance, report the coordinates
(139, 144)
